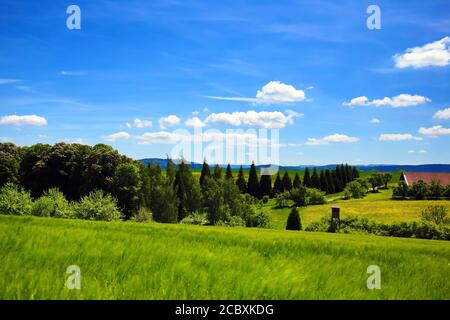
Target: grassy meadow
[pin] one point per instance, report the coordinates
(374, 206)
(153, 261)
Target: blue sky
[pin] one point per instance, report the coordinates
(335, 90)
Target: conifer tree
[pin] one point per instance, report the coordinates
(294, 222)
(315, 180)
(206, 173)
(297, 182)
(307, 179)
(240, 182)
(170, 170)
(323, 182)
(355, 173)
(229, 173)
(330, 183)
(218, 172)
(253, 184)
(265, 185)
(277, 185)
(187, 190)
(286, 182)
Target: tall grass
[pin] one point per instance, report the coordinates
(153, 261)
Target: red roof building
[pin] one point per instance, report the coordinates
(411, 177)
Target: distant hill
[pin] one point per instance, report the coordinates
(369, 167)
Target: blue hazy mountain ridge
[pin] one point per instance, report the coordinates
(368, 167)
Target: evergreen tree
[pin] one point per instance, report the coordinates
(286, 182)
(252, 184)
(297, 182)
(355, 174)
(170, 170)
(188, 191)
(218, 172)
(348, 174)
(277, 185)
(323, 182)
(229, 173)
(307, 179)
(206, 173)
(315, 180)
(265, 185)
(330, 183)
(294, 222)
(240, 182)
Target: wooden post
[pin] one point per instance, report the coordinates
(335, 219)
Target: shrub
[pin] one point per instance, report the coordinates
(435, 190)
(298, 195)
(401, 191)
(282, 199)
(419, 190)
(52, 204)
(195, 218)
(293, 221)
(265, 199)
(234, 221)
(355, 190)
(15, 201)
(98, 206)
(346, 195)
(351, 224)
(315, 196)
(258, 220)
(143, 215)
(436, 214)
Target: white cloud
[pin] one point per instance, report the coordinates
(263, 119)
(335, 138)
(273, 92)
(170, 121)
(195, 113)
(138, 123)
(8, 81)
(397, 137)
(194, 122)
(435, 131)
(411, 151)
(402, 100)
(79, 141)
(231, 138)
(422, 151)
(28, 120)
(419, 151)
(117, 136)
(442, 114)
(375, 121)
(205, 109)
(431, 54)
(128, 125)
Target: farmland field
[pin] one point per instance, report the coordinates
(375, 206)
(154, 261)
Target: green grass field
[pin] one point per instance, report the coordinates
(154, 261)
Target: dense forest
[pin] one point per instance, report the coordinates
(79, 172)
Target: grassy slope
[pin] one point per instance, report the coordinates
(153, 261)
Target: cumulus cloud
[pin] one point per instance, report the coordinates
(435, 54)
(272, 93)
(170, 121)
(194, 122)
(28, 120)
(117, 136)
(138, 123)
(335, 138)
(402, 100)
(442, 114)
(397, 137)
(263, 119)
(375, 121)
(434, 131)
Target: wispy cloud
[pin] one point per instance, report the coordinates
(335, 138)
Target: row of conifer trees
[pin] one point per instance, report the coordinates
(328, 181)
